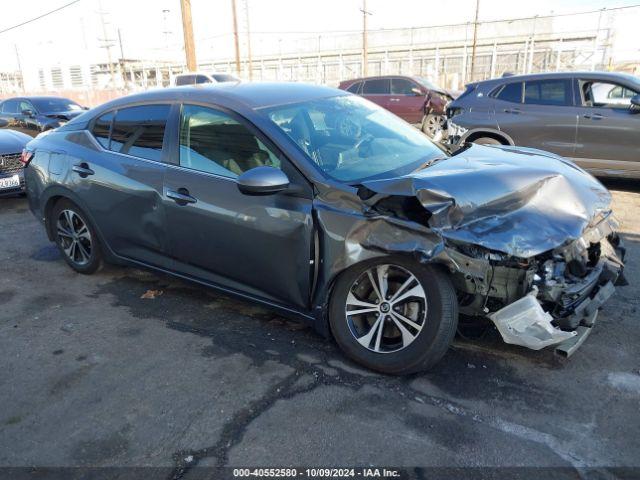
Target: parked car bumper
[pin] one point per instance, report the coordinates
(11, 175)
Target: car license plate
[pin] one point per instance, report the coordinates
(9, 182)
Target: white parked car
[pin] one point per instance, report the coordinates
(193, 78)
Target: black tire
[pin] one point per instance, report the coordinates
(431, 342)
(90, 248)
(486, 141)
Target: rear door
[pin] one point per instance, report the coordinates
(121, 184)
(378, 91)
(405, 102)
(545, 117)
(261, 245)
(608, 128)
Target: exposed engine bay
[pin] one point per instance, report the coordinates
(533, 249)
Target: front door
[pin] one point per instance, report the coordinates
(404, 100)
(608, 128)
(260, 245)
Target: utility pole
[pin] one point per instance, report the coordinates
(235, 35)
(19, 67)
(250, 60)
(187, 28)
(122, 69)
(365, 48)
(475, 41)
(106, 44)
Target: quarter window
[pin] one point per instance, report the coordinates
(354, 88)
(548, 92)
(102, 129)
(139, 131)
(511, 92)
(212, 141)
(376, 87)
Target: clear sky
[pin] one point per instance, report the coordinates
(152, 28)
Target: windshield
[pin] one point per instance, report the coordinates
(351, 139)
(51, 105)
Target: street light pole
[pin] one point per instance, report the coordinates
(365, 47)
(235, 35)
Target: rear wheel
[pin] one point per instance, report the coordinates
(75, 237)
(393, 315)
(486, 141)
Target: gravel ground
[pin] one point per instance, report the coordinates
(94, 375)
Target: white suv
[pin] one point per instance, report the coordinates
(193, 78)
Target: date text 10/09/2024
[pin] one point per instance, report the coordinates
(316, 473)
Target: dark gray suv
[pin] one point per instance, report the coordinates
(592, 118)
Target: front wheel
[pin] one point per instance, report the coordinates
(433, 126)
(393, 315)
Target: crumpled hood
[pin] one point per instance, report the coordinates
(12, 141)
(518, 201)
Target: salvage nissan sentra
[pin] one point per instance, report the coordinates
(330, 209)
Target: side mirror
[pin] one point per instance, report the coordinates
(417, 91)
(85, 108)
(28, 112)
(262, 181)
(635, 102)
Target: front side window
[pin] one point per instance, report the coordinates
(376, 87)
(548, 92)
(212, 141)
(511, 92)
(139, 131)
(24, 105)
(606, 94)
(202, 79)
(355, 140)
(402, 86)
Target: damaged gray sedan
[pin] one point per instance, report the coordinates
(329, 209)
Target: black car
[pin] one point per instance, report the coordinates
(33, 115)
(332, 210)
(12, 144)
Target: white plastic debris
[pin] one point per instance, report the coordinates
(525, 323)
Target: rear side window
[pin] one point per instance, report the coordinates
(548, 92)
(102, 129)
(511, 92)
(376, 87)
(139, 131)
(354, 88)
(402, 86)
(202, 79)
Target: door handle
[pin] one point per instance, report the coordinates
(181, 197)
(83, 170)
(512, 110)
(593, 116)
(394, 99)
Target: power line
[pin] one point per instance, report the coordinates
(39, 16)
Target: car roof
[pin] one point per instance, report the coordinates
(251, 95)
(613, 76)
(376, 77)
(35, 97)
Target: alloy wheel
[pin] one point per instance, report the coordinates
(434, 125)
(386, 308)
(74, 237)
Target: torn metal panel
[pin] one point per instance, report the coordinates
(525, 323)
(517, 201)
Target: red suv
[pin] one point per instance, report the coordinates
(414, 99)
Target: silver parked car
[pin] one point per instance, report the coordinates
(592, 118)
